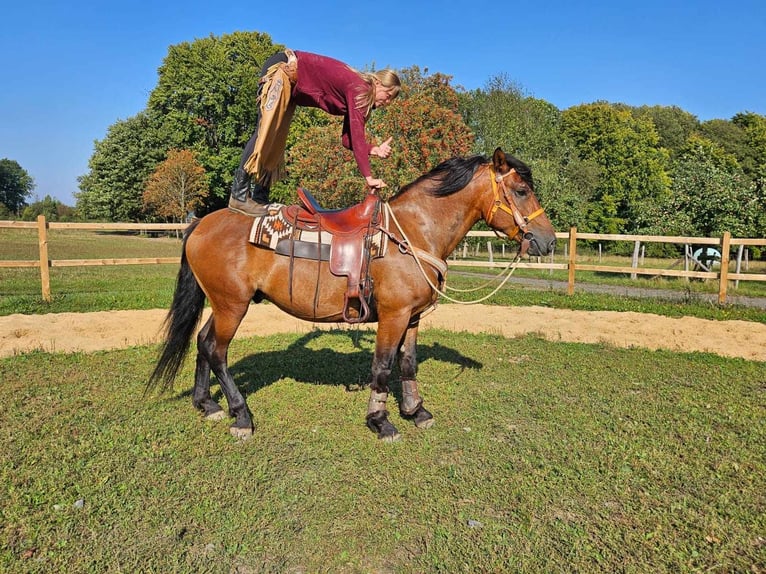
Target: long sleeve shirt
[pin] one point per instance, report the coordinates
(332, 86)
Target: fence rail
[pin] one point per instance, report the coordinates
(725, 244)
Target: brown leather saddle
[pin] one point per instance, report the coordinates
(349, 251)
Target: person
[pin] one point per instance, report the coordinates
(296, 78)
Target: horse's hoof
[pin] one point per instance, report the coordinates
(384, 429)
(390, 438)
(422, 418)
(215, 416)
(426, 424)
(241, 433)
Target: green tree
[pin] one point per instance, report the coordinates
(566, 187)
(206, 100)
(15, 185)
(119, 166)
(674, 126)
(710, 195)
(754, 161)
(727, 135)
(51, 208)
(177, 187)
(633, 167)
(502, 115)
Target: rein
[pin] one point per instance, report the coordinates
(440, 265)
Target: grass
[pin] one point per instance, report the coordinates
(545, 457)
(103, 288)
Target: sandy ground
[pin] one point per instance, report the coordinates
(69, 332)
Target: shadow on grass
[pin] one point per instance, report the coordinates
(327, 366)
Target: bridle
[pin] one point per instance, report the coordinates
(521, 221)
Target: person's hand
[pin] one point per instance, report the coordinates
(383, 150)
(375, 183)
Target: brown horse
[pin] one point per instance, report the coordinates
(431, 216)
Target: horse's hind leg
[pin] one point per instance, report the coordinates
(214, 345)
(411, 406)
(201, 398)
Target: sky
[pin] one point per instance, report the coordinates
(72, 69)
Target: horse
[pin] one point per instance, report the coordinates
(431, 215)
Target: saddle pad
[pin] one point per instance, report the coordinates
(268, 230)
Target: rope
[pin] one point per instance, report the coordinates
(412, 251)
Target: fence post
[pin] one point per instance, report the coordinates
(738, 268)
(572, 257)
(634, 261)
(489, 251)
(724, 276)
(45, 273)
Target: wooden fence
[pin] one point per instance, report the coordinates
(723, 275)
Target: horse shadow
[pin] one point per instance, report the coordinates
(325, 366)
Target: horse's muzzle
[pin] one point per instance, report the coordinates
(531, 245)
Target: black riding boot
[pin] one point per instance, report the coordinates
(247, 197)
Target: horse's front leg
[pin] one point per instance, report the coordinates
(388, 339)
(411, 406)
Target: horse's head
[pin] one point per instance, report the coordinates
(514, 209)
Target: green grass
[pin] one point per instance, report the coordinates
(82, 289)
(545, 457)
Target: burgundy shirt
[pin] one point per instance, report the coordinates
(330, 85)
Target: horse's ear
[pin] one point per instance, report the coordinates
(499, 162)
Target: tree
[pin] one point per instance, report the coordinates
(52, 209)
(709, 195)
(177, 187)
(633, 165)
(119, 166)
(15, 185)
(566, 187)
(205, 99)
(674, 126)
(502, 115)
(754, 161)
(727, 135)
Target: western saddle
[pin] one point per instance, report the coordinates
(350, 253)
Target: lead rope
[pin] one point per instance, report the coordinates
(405, 247)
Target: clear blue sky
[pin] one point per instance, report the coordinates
(71, 69)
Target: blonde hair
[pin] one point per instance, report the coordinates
(386, 78)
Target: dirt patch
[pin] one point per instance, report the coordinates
(70, 332)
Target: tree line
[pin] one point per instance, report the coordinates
(603, 167)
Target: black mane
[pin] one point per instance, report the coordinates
(454, 174)
(522, 169)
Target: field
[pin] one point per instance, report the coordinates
(545, 456)
(99, 288)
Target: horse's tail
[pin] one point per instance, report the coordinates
(180, 323)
